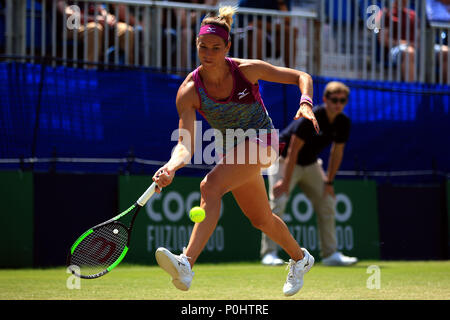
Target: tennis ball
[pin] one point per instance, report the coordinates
(197, 214)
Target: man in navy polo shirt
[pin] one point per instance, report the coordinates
(299, 165)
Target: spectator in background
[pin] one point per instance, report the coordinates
(189, 33)
(406, 48)
(169, 30)
(281, 5)
(126, 15)
(439, 11)
(299, 165)
(170, 17)
(94, 26)
(403, 47)
(122, 14)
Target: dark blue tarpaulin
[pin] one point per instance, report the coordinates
(64, 112)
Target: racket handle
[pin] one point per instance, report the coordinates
(146, 195)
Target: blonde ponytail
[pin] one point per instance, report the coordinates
(224, 18)
(226, 13)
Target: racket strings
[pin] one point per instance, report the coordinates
(100, 249)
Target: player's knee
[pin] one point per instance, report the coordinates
(261, 222)
(209, 189)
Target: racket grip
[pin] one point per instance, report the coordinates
(146, 195)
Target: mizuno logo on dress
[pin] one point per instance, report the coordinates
(243, 93)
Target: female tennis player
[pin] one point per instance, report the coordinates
(225, 91)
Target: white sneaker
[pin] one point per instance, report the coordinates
(338, 259)
(297, 269)
(177, 266)
(271, 259)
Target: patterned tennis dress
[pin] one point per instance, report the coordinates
(244, 109)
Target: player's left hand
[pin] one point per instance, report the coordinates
(305, 110)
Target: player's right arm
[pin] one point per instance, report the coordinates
(186, 101)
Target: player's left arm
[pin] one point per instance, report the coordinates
(334, 162)
(256, 70)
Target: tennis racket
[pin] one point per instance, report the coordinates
(101, 248)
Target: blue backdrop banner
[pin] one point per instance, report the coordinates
(63, 112)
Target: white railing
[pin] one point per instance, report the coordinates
(358, 41)
(156, 38)
(341, 38)
(440, 68)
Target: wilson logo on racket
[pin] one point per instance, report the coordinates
(106, 245)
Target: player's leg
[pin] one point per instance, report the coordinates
(240, 165)
(222, 179)
(225, 176)
(269, 248)
(252, 199)
(277, 206)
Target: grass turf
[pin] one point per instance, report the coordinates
(399, 280)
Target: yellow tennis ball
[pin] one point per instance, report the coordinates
(197, 214)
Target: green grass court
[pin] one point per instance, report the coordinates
(399, 280)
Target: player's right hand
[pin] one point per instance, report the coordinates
(163, 177)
